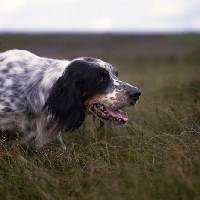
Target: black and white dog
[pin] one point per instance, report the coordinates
(40, 96)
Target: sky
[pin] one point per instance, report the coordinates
(124, 16)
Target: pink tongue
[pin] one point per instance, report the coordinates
(117, 114)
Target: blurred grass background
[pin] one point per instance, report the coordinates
(156, 156)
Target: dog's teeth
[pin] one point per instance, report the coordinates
(101, 111)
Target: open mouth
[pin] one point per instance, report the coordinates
(110, 116)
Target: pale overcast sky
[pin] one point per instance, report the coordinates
(100, 15)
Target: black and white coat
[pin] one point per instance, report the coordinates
(39, 96)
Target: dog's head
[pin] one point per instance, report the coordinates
(89, 85)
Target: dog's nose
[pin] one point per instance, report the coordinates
(134, 94)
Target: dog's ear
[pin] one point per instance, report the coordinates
(64, 102)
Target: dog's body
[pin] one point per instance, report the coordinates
(40, 96)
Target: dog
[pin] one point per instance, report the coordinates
(42, 97)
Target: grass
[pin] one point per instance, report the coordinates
(156, 156)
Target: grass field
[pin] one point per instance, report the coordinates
(156, 156)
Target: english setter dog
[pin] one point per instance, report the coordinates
(39, 96)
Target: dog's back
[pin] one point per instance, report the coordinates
(25, 83)
(12, 69)
(23, 79)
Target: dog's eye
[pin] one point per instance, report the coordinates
(100, 80)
